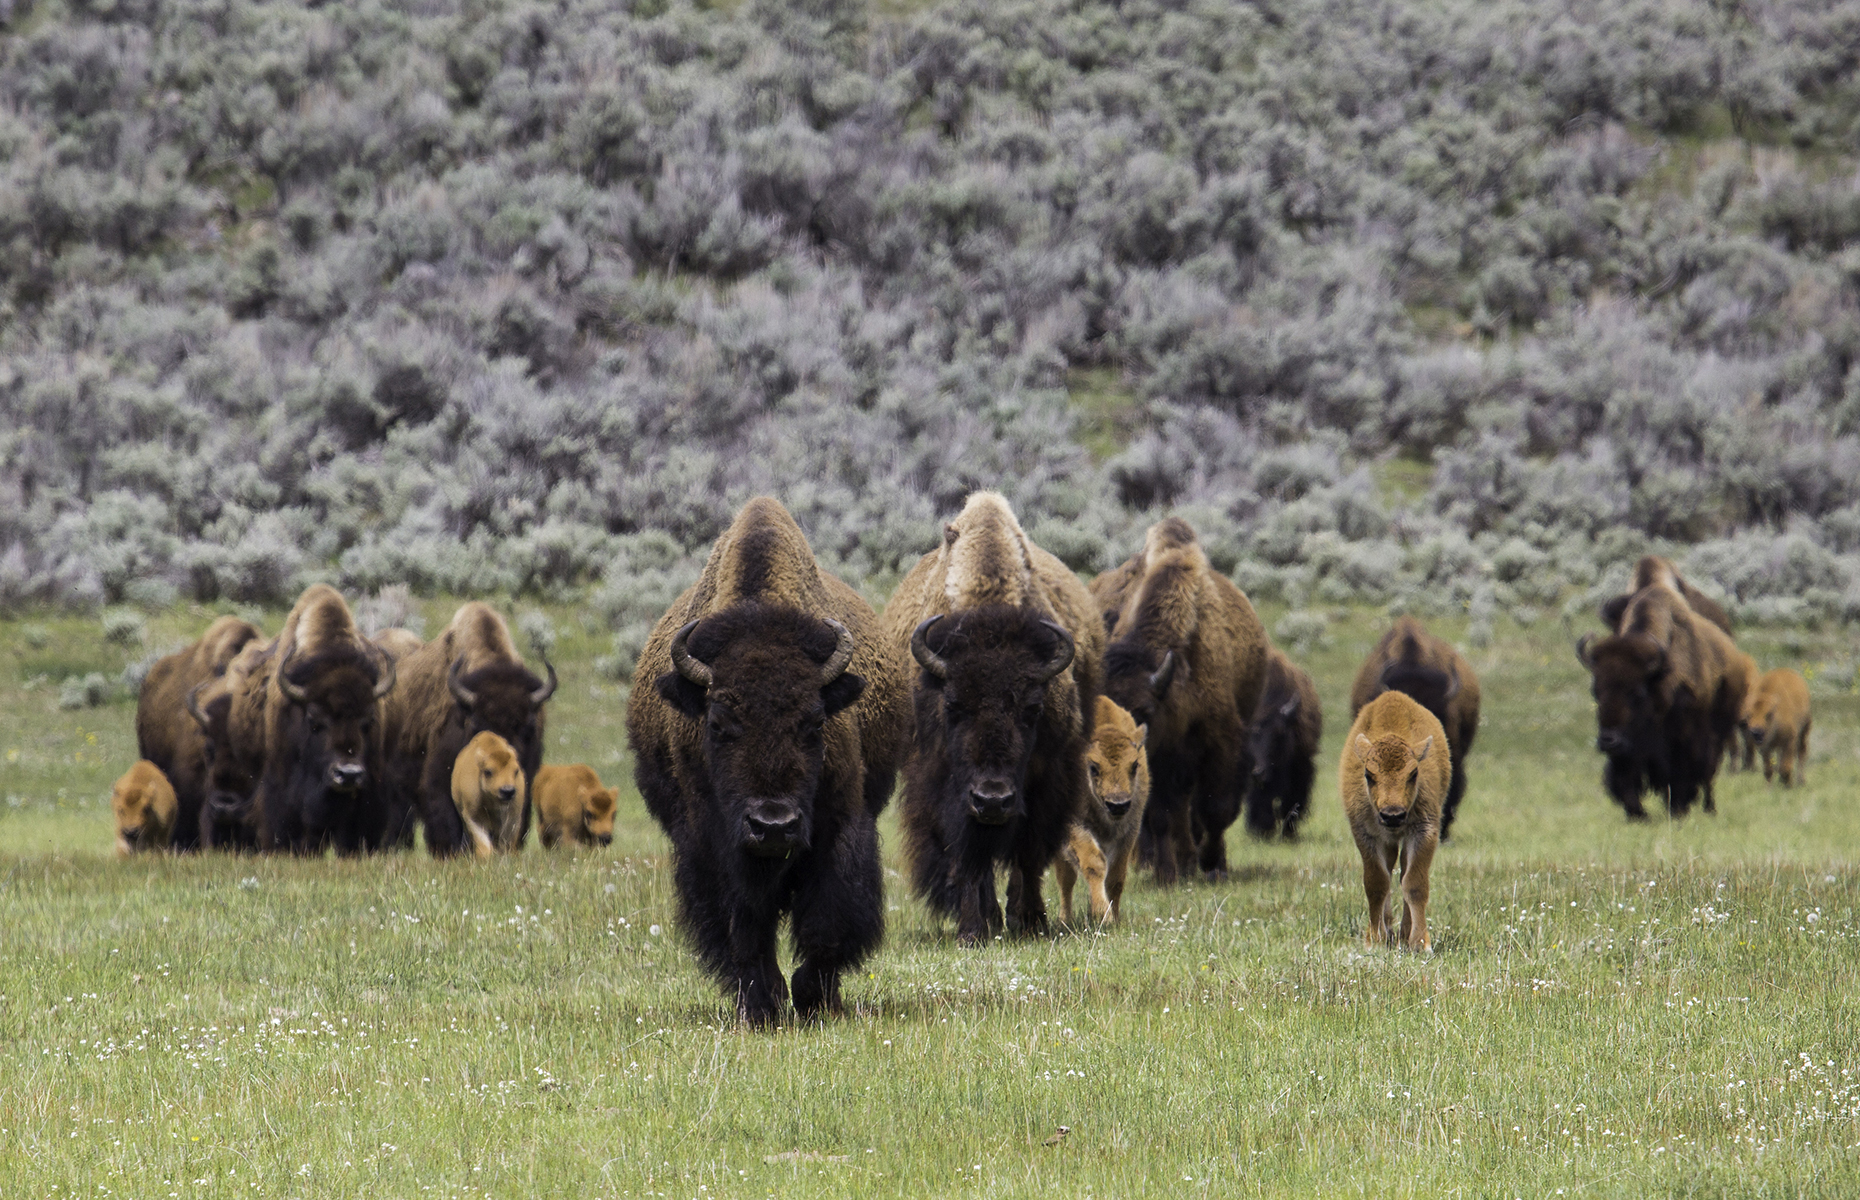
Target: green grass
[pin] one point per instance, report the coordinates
(1109, 413)
(1612, 1010)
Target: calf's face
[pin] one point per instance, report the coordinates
(500, 779)
(597, 815)
(1117, 768)
(135, 805)
(762, 682)
(1392, 775)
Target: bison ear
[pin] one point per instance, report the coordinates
(1110, 621)
(1143, 732)
(842, 692)
(682, 694)
(950, 534)
(1364, 747)
(1420, 755)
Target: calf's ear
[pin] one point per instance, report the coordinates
(1364, 747)
(681, 694)
(1420, 755)
(842, 692)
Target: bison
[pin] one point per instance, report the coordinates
(398, 643)
(571, 803)
(1652, 569)
(1776, 718)
(487, 789)
(468, 680)
(1104, 838)
(767, 721)
(322, 778)
(145, 809)
(166, 734)
(1187, 658)
(1428, 669)
(1282, 746)
(1008, 646)
(1393, 776)
(230, 714)
(1669, 688)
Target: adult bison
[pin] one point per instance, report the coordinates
(1008, 644)
(1283, 746)
(1429, 670)
(168, 736)
(468, 680)
(1652, 569)
(767, 721)
(1188, 659)
(230, 713)
(322, 779)
(1669, 688)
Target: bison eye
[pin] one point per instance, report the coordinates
(1413, 775)
(1368, 779)
(1093, 768)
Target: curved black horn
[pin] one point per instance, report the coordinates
(384, 680)
(1453, 683)
(464, 695)
(1159, 682)
(193, 704)
(293, 693)
(1062, 657)
(546, 690)
(1582, 650)
(921, 651)
(694, 670)
(842, 654)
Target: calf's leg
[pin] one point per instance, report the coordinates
(1375, 891)
(1417, 859)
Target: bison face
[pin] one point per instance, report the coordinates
(597, 815)
(1625, 675)
(229, 783)
(1115, 771)
(990, 668)
(333, 706)
(1392, 775)
(763, 681)
(505, 699)
(1139, 680)
(1272, 738)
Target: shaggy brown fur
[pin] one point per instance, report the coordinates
(1429, 670)
(428, 721)
(487, 789)
(1393, 777)
(1188, 659)
(1745, 742)
(145, 808)
(1651, 570)
(1669, 688)
(1283, 748)
(231, 715)
(1104, 838)
(572, 804)
(399, 643)
(1776, 718)
(996, 772)
(166, 732)
(767, 720)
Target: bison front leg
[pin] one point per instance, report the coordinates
(1026, 907)
(978, 912)
(1066, 872)
(1117, 873)
(1217, 804)
(839, 918)
(1417, 859)
(1375, 892)
(760, 989)
(1089, 856)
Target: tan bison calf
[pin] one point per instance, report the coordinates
(487, 787)
(1776, 721)
(1393, 777)
(571, 803)
(1104, 837)
(145, 806)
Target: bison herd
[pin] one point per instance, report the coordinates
(1034, 720)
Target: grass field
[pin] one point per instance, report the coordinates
(1612, 1010)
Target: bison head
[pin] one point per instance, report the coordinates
(1273, 736)
(1430, 687)
(597, 814)
(990, 668)
(504, 698)
(229, 782)
(336, 694)
(1392, 774)
(1626, 672)
(1139, 679)
(763, 681)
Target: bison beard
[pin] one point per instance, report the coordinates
(976, 794)
(321, 782)
(771, 816)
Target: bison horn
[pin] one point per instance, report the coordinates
(842, 654)
(547, 690)
(1290, 706)
(193, 705)
(1062, 656)
(1453, 683)
(1582, 650)
(384, 680)
(691, 668)
(921, 651)
(459, 691)
(1159, 682)
(292, 692)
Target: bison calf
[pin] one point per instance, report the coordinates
(487, 788)
(571, 803)
(1394, 776)
(144, 804)
(1430, 671)
(1776, 721)
(1283, 744)
(1104, 838)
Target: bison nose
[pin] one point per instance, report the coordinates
(507, 793)
(1610, 741)
(772, 827)
(992, 801)
(346, 776)
(605, 839)
(1392, 817)
(1117, 808)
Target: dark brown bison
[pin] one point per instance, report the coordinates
(230, 714)
(1669, 688)
(767, 721)
(1427, 669)
(1282, 747)
(1008, 644)
(321, 784)
(167, 735)
(1652, 569)
(1188, 659)
(468, 680)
